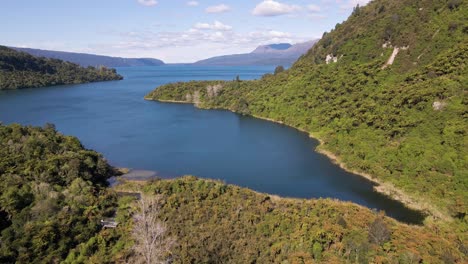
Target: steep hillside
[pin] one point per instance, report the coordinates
(86, 60)
(21, 70)
(273, 54)
(385, 92)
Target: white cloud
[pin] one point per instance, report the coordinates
(148, 2)
(358, 2)
(314, 8)
(352, 3)
(215, 26)
(209, 39)
(192, 3)
(273, 8)
(218, 9)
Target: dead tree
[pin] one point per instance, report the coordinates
(152, 244)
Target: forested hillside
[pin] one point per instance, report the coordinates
(385, 92)
(52, 194)
(21, 70)
(218, 223)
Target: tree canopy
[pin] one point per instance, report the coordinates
(21, 70)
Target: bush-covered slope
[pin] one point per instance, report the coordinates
(21, 70)
(218, 223)
(52, 194)
(404, 124)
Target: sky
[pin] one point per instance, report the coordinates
(175, 31)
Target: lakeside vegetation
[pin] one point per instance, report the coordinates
(218, 223)
(54, 194)
(21, 70)
(404, 124)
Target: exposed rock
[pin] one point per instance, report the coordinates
(387, 44)
(395, 52)
(330, 58)
(213, 90)
(438, 105)
(188, 97)
(196, 98)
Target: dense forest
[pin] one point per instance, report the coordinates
(402, 120)
(21, 70)
(52, 194)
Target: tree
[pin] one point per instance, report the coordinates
(152, 245)
(279, 69)
(378, 232)
(356, 10)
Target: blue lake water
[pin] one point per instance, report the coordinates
(178, 139)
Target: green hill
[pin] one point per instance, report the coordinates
(402, 124)
(21, 70)
(218, 223)
(53, 195)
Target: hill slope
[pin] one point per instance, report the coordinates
(53, 195)
(218, 223)
(86, 60)
(274, 54)
(21, 70)
(401, 124)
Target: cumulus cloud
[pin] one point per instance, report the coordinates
(314, 8)
(210, 39)
(148, 2)
(215, 26)
(218, 9)
(273, 8)
(192, 3)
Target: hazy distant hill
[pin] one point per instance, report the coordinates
(85, 60)
(273, 54)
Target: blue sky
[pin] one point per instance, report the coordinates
(171, 30)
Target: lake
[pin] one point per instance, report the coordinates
(179, 139)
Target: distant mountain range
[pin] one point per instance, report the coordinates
(85, 60)
(273, 54)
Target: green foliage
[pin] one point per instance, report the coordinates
(405, 124)
(21, 70)
(279, 69)
(52, 194)
(215, 222)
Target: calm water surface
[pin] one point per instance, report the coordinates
(178, 139)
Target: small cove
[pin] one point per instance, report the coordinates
(179, 139)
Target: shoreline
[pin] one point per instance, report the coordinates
(168, 101)
(385, 188)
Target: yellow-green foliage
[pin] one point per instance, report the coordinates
(219, 223)
(383, 122)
